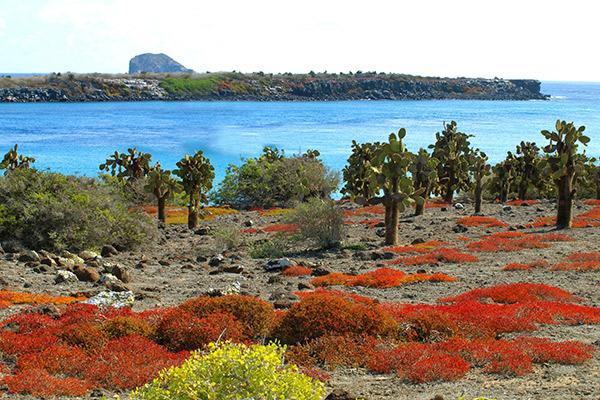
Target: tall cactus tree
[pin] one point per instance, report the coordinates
(389, 172)
(13, 161)
(161, 183)
(452, 148)
(357, 173)
(480, 170)
(504, 176)
(564, 164)
(197, 174)
(528, 157)
(128, 166)
(424, 173)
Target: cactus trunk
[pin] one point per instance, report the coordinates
(565, 203)
(391, 226)
(523, 191)
(420, 207)
(193, 209)
(504, 195)
(478, 196)
(161, 208)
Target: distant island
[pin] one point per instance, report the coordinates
(159, 77)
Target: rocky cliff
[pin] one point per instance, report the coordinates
(159, 63)
(261, 87)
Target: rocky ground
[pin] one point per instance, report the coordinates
(184, 264)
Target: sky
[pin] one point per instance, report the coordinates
(547, 40)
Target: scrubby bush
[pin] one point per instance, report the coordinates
(254, 314)
(227, 237)
(232, 371)
(320, 221)
(274, 247)
(56, 212)
(273, 180)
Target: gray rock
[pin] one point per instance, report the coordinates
(88, 255)
(459, 206)
(63, 276)
(86, 274)
(149, 62)
(216, 260)
(119, 271)
(108, 250)
(460, 228)
(278, 265)
(76, 259)
(29, 255)
(506, 208)
(113, 283)
(112, 299)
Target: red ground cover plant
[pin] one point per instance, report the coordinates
(377, 209)
(8, 297)
(254, 314)
(516, 241)
(327, 313)
(514, 293)
(580, 261)
(437, 255)
(480, 220)
(280, 228)
(296, 270)
(592, 202)
(526, 266)
(424, 247)
(381, 278)
(180, 330)
(37, 382)
(586, 219)
(436, 204)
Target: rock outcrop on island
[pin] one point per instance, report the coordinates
(262, 87)
(158, 63)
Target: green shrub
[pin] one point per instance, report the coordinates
(273, 180)
(269, 248)
(227, 237)
(231, 371)
(320, 221)
(58, 212)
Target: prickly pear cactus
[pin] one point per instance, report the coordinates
(564, 165)
(357, 173)
(13, 160)
(424, 173)
(479, 169)
(129, 166)
(196, 174)
(161, 183)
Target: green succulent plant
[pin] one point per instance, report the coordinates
(424, 173)
(390, 165)
(452, 148)
(564, 165)
(527, 171)
(129, 166)
(196, 174)
(357, 173)
(13, 161)
(161, 183)
(503, 179)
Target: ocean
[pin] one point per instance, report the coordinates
(75, 138)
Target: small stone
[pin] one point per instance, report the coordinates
(65, 277)
(444, 209)
(248, 223)
(418, 241)
(108, 251)
(278, 265)
(86, 274)
(460, 228)
(305, 286)
(88, 255)
(119, 271)
(506, 208)
(29, 255)
(216, 260)
(113, 283)
(165, 263)
(320, 271)
(340, 394)
(233, 269)
(282, 304)
(459, 206)
(76, 259)
(65, 263)
(204, 231)
(380, 232)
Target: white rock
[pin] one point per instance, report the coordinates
(112, 299)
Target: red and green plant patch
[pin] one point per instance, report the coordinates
(296, 270)
(514, 293)
(37, 382)
(380, 278)
(481, 220)
(437, 255)
(280, 228)
(580, 261)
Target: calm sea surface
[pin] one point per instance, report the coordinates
(76, 138)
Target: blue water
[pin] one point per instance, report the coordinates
(76, 138)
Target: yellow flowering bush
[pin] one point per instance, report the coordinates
(233, 372)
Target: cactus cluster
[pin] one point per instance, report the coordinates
(390, 167)
(357, 174)
(128, 166)
(13, 160)
(196, 174)
(564, 165)
(453, 149)
(163, 186)
(528, 172)
(505, 173)
(424, 173)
